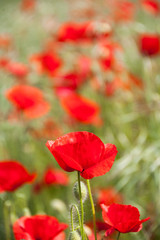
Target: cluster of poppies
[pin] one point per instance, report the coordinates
(74, 56)
(83, 152)
(100, 66)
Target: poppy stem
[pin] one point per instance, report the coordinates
(118, 235)
(71, 213)
(81, 203)
(7, 223)
(93, 208)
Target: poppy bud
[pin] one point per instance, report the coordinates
(83, 191)
(74, 236)
(58, 205)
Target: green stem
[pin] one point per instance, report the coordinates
(71, 213)
(7, 223)
(81, 203)
(118, 235)
(93, 208)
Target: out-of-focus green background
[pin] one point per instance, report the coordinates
(131, 119)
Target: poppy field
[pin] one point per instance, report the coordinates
(80, 120)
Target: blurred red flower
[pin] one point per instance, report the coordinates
(107, 54)
(84, 32)
(55, 177)
(123, 218)
(83, 152)
(46, 62)
(151, 6)
(52, 177)
(17, 69)
(28, 5)
(80, 108)
(124, 10)
(149, 44)
(5, 41)
(4, 61)
(67, 81)
(73, 32)
(38, 227)
(29, 100)
(108, 196)
(13, 175)
(121, 10)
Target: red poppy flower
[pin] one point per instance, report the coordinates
(80, 108)
(83, 152)
(46, 62)
(4, 62)
(149, 44)
(123, 218)
(18, 70)
(121, 10)
(5, 41)
(55, 177)
(28, 5)
(73, 32)
(38, 227)
(109, 196)
(151, 6)
(107, 54)
(29, 100)
(125, 11)
(68, 81)
(13, 175)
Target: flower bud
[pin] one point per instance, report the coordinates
(58, 205)
(83, 191)
(74, 236)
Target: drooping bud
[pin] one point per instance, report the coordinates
(58, 205)
(74, 235)
(83, 191)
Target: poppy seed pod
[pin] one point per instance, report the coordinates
(83, 191)
(74, 236)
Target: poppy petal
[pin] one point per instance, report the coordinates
(18, 176)
(38, 110)
(102, 167)
(64, 161)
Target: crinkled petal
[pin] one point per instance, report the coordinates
(103, 166)
(77, 150)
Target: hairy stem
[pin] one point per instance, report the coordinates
(81, 203)
(93, 208)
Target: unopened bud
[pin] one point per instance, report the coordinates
(74, 236)
(58, 205)
(83, 191)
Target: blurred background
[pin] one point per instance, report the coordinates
(82, 65)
